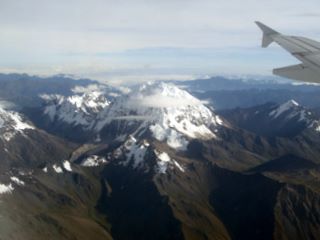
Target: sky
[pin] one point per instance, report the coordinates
(136, 40)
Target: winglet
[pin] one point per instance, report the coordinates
(267, 34)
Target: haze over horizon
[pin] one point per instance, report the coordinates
(124, 41)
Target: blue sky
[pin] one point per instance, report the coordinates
(139, 40)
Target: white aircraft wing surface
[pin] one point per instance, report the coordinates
(305, 50)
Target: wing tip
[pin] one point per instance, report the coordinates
(265, 29)
(267, 34)
(258, 23)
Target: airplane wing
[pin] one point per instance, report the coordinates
(305, 50)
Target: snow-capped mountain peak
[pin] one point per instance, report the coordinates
(76, 109)
(285, 107)
(11, 123)
(293, 111)
(170, 113)
(163, 95)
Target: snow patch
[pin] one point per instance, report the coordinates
(136, 153)
(164, 161)
(93, 161)
(19, 124)
(133, 151)
(164, 157)
(173, 138)
(178, 166)
(67, 166)
(218, 120)
(57, 168)
(6, 188)
(17, 181)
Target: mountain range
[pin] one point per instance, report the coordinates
(155, 161)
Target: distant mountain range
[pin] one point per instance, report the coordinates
(225, 93)
(284, 120)
(90, 161)
(25, 90)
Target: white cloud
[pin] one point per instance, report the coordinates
(132, 117)
(87, 89)
(7, 105)
(161, 101)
